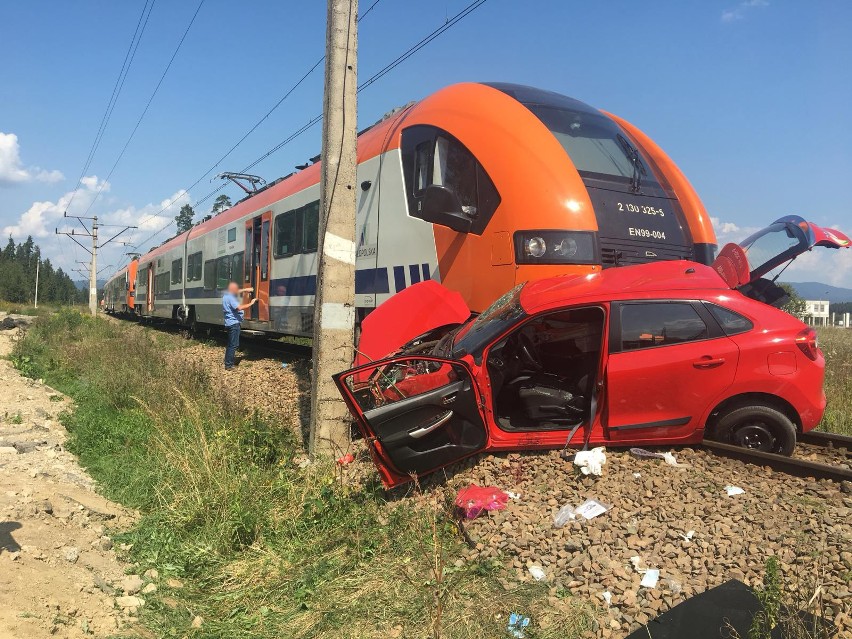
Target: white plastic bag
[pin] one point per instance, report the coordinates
(589, 509)
(591, 462)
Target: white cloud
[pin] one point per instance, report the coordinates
(40, 219)
(12, 170)
(739, 12)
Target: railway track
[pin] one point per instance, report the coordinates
(835, 471)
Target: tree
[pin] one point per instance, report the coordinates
(183, 219)
(795, 306)
(18, 265)
(222, 203)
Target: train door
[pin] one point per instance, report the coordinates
(149, 296)
(257, 270)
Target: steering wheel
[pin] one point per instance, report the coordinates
(527, 352)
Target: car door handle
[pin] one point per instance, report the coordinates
(439, 421)
(709, 362)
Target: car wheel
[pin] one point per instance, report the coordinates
(758, 428)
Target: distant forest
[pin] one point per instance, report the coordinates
(18, 274)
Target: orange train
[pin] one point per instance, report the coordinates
(479, 186)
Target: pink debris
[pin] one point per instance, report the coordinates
(348, 458)
(474, 499)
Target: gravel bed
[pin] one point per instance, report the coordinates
(824, 454)
(278, 389)
(806, 524)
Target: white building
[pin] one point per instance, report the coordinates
(816, 312)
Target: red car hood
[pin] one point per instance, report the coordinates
(416, 310)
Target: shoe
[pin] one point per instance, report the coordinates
(229, 368)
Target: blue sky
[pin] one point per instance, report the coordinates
(750, 98)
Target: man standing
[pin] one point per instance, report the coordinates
(234, 314)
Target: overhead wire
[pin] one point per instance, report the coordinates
(129, 56)
(449, 23)
(255, 126)
(147, 106)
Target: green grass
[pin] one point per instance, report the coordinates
(836, 344)
(264, 548)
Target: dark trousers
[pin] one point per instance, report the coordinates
(233, 344)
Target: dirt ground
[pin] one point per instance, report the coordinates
(59, 574)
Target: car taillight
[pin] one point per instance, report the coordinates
(806, 340)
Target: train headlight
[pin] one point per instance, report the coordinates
(556, 247)
(535, 247)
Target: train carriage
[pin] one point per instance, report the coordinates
(119, 291)
(479, 186)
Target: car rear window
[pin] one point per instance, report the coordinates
(647, 325)
(732, 323)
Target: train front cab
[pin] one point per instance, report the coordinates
(522, 184)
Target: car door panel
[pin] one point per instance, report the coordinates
(417, 413)
(660, 390)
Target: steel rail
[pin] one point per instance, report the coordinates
(827, 440)
(782, 463)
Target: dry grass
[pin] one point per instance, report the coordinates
(836, 344)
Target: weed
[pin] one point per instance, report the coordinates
(836, 345)
(264, 548)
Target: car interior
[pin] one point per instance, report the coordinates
(543, 373)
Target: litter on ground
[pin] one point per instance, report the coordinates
(589, 509)
(474, 499)
(516, 626)
(537, 572)
(650, 578)
(734, 490)
(669, 458)
(591, 462)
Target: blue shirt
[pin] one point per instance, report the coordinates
(229, 308)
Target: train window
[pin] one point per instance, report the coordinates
(209, 275)
(177, 271)
(310, 227)
(232, 234)
(236, 266)
(247, 254)
(422, 157)
(223, 272)
(264, 251)
(285, 234)
(596, 145)
(660, 324)
(431, 156)
(193, 267)
(455, 168)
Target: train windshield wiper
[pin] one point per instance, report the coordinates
(632, 154)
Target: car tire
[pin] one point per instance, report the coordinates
(757, 427)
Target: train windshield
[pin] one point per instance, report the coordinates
(596, 145)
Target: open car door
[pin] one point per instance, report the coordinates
(745, 266)
(417, 414)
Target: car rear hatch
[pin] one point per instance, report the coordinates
(746, 265)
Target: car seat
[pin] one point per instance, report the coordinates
(544, 397)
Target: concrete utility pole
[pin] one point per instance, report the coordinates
(93, 273)
(93, 265)
(334, 309)
(35, 298)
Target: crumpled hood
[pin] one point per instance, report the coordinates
(416, 310)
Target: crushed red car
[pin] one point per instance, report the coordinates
(665, 353)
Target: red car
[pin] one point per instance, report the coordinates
(663, 353)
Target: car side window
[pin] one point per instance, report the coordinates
(646, 325)
(402, 379)
(732, 323)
